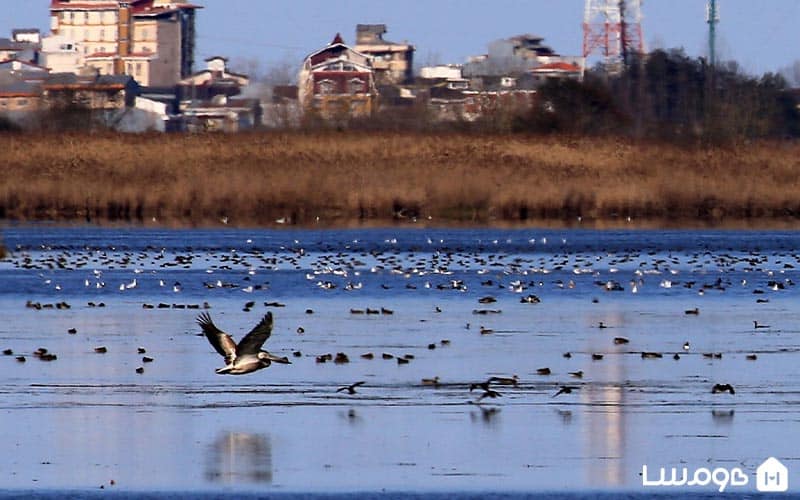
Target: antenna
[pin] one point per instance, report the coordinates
(712, 18)
(613, 28)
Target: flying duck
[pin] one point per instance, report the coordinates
(246, 356)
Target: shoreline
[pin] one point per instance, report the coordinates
(615, 224)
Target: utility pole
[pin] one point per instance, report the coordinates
(712, 18)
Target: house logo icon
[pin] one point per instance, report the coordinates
(772, 475)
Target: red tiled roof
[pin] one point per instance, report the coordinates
(557, 66)
(144, 7)
(4, 94)
(60, 5)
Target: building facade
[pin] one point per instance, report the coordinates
(62, 55)
(150, 40)
(392, 62)
(337, 82)
(515, 56)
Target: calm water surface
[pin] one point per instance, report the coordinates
(86, 419)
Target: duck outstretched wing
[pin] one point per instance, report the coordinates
(221, 341)
(252, 342)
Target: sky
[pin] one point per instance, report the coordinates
(761, 35)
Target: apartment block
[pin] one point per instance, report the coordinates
(150, 40)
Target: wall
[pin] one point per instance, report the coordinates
(21, 103)
(165, 70)
(95, 30)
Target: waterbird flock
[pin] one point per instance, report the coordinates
(480, 273)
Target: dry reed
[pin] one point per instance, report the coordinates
(256, 178)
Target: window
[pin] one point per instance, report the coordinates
(138, 69)
(144, 34)
(356, 86)
(22, 102)
(326, 87)
(102, 35)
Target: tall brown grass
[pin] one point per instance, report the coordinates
(256, 178)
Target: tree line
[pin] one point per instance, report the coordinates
(669, 96)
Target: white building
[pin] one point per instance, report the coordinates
(62, 54)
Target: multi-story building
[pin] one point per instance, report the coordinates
(150, 40)
(515, 56)
(337, 82)
(392, 62)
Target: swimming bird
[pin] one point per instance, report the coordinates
(757, 325)
(488, 393)
(246, 356)
(514, 380)
(351, 389)
(722, 388)
(565, 389)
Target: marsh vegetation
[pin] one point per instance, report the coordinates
(256, 178)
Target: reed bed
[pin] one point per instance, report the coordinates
(334, 178)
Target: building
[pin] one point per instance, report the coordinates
(283, 110)
(221, 114)
(13, 49)
(62, 54)
(27, 35)
(22, 71)
(557, 70)
(150, 40)
(17, 97)
(97, 92)
(213, 81)
(444, 75)
(515, 56)
(207, 100)
(337, 82)
(392, 62)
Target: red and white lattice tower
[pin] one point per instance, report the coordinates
(614, 29)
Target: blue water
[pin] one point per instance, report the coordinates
(86, 419)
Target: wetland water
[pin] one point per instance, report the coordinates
(86, 418)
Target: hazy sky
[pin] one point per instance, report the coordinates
(761, 35)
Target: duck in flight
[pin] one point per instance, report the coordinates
(246, 356)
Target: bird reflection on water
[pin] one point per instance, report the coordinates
(236, 457)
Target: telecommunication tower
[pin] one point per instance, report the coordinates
(712, 18)
(614, 29)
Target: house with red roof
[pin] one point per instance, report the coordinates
(558, 69)
(337, 82)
